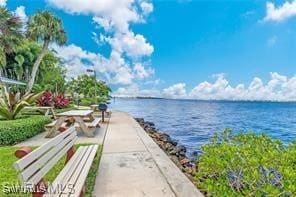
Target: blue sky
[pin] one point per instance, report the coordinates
(182, 49)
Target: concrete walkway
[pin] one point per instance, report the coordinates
(132, 164)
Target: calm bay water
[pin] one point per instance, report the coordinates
(192, 123)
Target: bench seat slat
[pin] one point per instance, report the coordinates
(26, 160)
(28, 172)
(50, 125)
(66, 173)
(37, 177)
(83, 175)
(94, 123)
(77, 171)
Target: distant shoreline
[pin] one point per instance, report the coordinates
(200, 100)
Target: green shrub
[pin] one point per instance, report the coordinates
(87, 101)
(14, 131)
(247, 165)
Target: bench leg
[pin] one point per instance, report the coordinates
(53, 114)
(82, 192)
(70, 153)
(84, 128)
(47, 112)
(55, 128)
(41, 187)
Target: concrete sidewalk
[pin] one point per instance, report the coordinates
(132, 164)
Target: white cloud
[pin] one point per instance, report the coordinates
(133, 45)
(281, 13)
(20, 12)
(129, 51)
(134, 91)
(2, 3)
(113, 70)
(175, 91)
(146, 7)
(278, 88)
(141, 72)
(117, 14)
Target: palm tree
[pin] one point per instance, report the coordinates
(45, 27)
(10, 34)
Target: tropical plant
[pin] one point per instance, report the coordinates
(10, 34)
(247, 164)
(61, 101)
(20, 62)
(46, 99)
(90, 88)
(11, 104)
(45, 27)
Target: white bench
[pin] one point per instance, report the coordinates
(94, 123)
(92, 126)
(34, 165)
(50, 125)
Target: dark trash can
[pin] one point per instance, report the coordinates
(103, 108)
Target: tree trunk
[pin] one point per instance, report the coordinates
(36, 66)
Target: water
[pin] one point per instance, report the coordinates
(192, 123)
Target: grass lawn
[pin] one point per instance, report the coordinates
(8, 175)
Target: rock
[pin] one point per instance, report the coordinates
(166, 138)
(184, 161)
(181, 153)
(181, 157)
(173, 151)
(151, 124)
(168, 146)
(161, 144)
(181, 148)
(150, 130)
(189, 170)
(157, 136)
(173, 142)
(176, 161)
(139, 120)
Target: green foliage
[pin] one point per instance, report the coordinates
(45, 26)
(10, 34)
(87, 101)
(51, 75)
(247, 165)
(89, 87)
(12, 104)
(14, 131)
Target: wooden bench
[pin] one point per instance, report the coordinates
(94, 123)
(47, 110)
(90, 125)
(50, 125)
(34, 165)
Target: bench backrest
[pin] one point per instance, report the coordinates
(35, 165)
